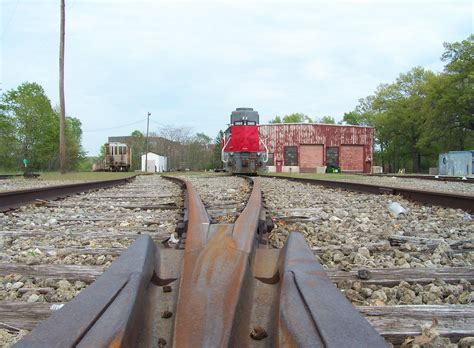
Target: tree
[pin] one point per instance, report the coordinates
(277, 119)
(451, 98)
(8, 144)
(403, 105)
(327, 120)
(292, 118)
(216, 152)
(353, 118)
(74, 151)
(23, 109)
(422, 113)
(137, 145)
(29, 128)
(198, 152)
(177, 139)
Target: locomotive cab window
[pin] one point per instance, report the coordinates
(120, 150)
(291, 156)
(238, 123)
(251, 123)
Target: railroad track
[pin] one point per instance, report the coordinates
(82, 230)
(441, 178)
(455, 321)
(450, 200)
(406, 266)
(217, 300)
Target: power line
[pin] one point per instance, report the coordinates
(110, 128)
(160, 125)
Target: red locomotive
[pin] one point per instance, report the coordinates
(242, 150)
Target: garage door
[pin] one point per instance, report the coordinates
(311, 156)
(352, 158)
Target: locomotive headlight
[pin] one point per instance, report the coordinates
(258, 154)
(231, 153)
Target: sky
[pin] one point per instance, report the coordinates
(191, 63)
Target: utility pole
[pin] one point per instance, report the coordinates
(146, 146)
(62, 118)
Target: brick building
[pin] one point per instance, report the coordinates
(301, 148)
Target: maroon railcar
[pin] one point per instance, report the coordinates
(242, 150)
(311, 147)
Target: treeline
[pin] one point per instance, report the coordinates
(29, 129)
(184, 149)
(422, 113)
(298, 117)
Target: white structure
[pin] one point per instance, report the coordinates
(156, 163)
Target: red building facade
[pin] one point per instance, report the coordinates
(305, 147)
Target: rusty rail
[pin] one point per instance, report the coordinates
(449, 200)
(466, 180)
(14, 199)
(221, 290)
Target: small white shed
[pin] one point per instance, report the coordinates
(156, 163)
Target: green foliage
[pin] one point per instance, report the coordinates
(8, 143)
(292, 118)
(29, 128)
(422, 113)
(74, 150)
(327, 120)
(216, 161)
(199, 153)
(277, 119)
(85, 163)
(363, 115)
(138, 145)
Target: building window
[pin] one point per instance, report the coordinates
(291, 156)
(332, 156)
(270, 160)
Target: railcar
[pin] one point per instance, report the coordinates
(118, 157)
(243, 152)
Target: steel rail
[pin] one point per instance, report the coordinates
(466, 180)
(449, 200)
(228, 292)
(14, 199)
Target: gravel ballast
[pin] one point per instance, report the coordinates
(353, 231)
(85, 229)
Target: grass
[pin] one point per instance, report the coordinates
(84, 176)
